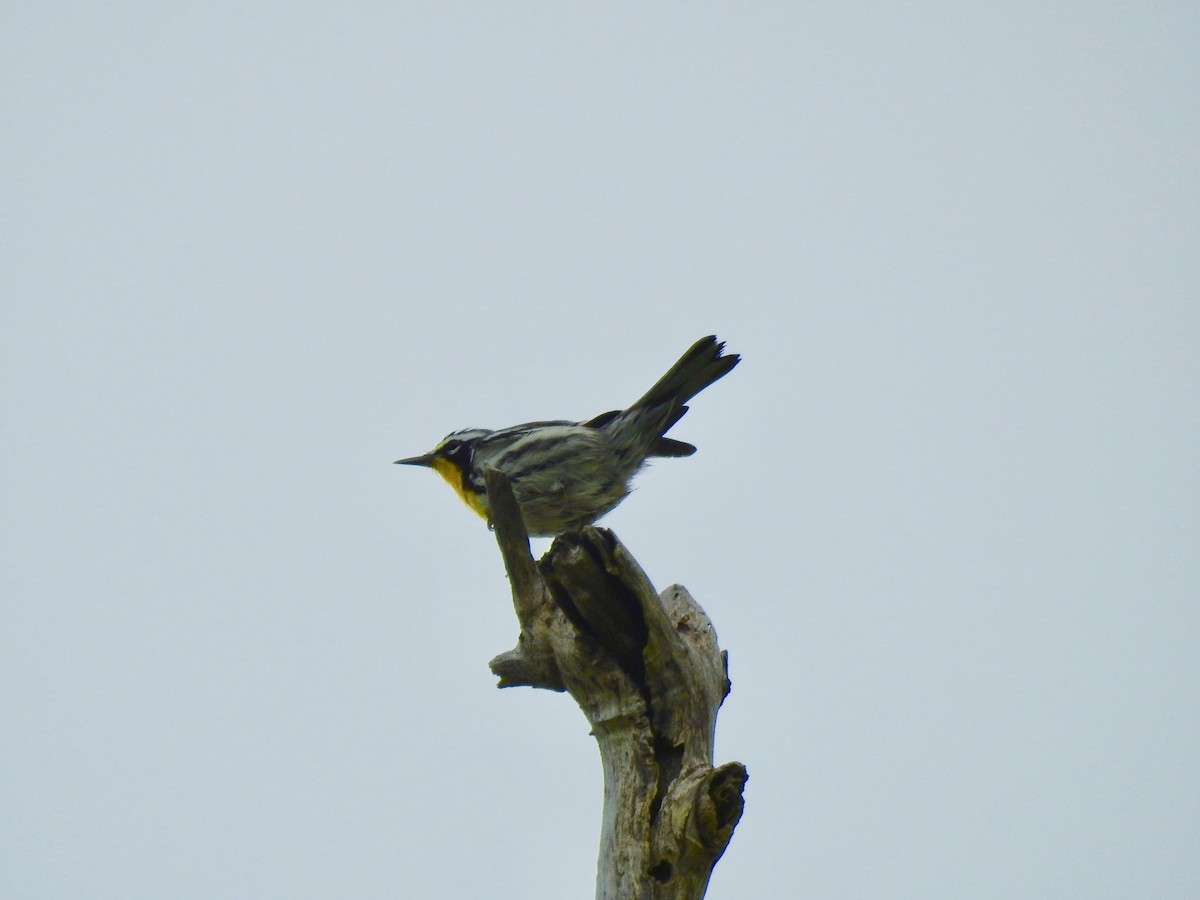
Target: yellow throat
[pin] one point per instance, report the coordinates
(454, 477)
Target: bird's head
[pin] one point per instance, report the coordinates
(451, 459)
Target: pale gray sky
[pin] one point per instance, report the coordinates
(944, 515)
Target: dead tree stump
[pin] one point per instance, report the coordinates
(648, 674)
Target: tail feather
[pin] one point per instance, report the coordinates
(647, 420)
(665, 446)
(699, 367)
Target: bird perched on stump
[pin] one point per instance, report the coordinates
(566, 475)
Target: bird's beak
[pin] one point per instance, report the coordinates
(426, 460)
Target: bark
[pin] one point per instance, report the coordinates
(647, 672)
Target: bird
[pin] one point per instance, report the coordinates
(566, 475)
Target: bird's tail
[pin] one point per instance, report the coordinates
(663, 405)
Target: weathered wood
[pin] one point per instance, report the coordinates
(648, 674)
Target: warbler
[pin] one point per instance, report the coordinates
(566, 475)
